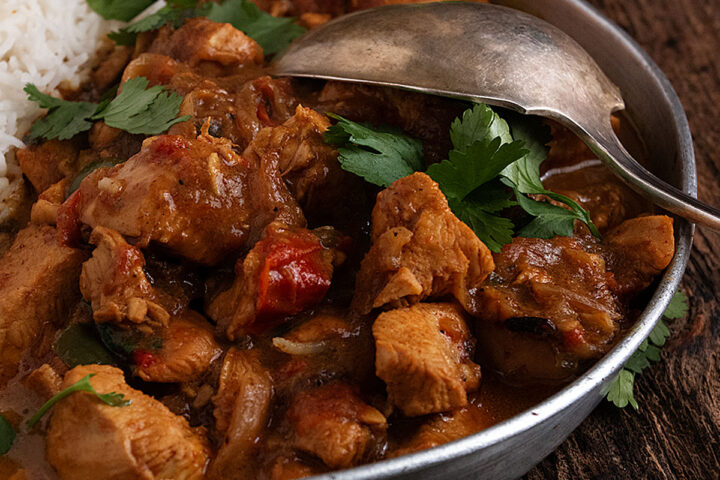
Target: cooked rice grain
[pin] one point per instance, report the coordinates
(45, 42)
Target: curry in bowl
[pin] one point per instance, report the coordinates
(294, 277)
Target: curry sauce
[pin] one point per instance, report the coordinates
(267, 313)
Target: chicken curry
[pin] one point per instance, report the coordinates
(263, 312)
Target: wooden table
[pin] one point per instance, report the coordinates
(676, 433)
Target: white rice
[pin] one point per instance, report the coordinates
(44, 42)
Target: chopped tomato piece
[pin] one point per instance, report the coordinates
(296, 274)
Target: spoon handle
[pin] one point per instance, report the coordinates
(608, 148)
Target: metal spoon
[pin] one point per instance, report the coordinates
(485, 53)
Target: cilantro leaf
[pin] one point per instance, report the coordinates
(183, 3)
(659, 334)
(525, 173)
(652, 353)
(124, 10)
(83, 385)
(478, 123)
(380, 156)
(678, 306)
(621, 388)
(550, 220)
(637, 362)
(272, 33)
(138, 109)
(473, 166)
(524, 177)
(123, 37)
(7, 435)
(493, 230)
(482, 148)
(79, 344)
(494, 196)
(64, 119)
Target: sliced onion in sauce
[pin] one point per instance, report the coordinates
(298, 348)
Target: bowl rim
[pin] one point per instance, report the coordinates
(609, 365)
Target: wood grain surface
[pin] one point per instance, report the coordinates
(676, 432)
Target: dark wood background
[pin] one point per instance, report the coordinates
(676, 432)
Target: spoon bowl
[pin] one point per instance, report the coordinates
(484, 53)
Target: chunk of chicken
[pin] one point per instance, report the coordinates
(114, 282)
(242, 405)
(110, 65)
(442, 428)
(334, 424)
(44, 211)
(522, 352)
(44, 381)
(423, 354)
(160, 70)
(644, 247)
(313, 20)
(420, 249)
(557, 295)
(290, 467)
(235, 114)
(88, 439)
(202, 40)
(307, 164)
(187, 348)
(197, 198)
(47, 163)
(286, 272)
(111, 144)
(38, 288)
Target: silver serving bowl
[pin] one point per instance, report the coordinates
(511, 448)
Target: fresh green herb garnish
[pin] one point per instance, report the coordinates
(64, 119)
(125, 342)
(137, 109)
(124, 10)
(273, 34)
(482, 148)
(462, 173)
(484, 171)
(80, 344)
(7, 435)
(379, 155)
(524, 177)
(621, 389)
(83, 385)
(492, 229)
